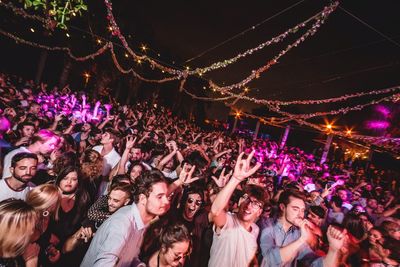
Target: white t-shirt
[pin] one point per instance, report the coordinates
(8, 158)
(233, 245)
(111, 159)
(6, 192)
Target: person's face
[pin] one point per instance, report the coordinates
(356, 196)
(106, 138)
(86, 127)
(343, 195)
(28, 131)
(372, 203)
(136, 154)
(157, 203)
(314, 218)
(24, 170)
(135, 172)
(69, 183)
(250, 209)
(374, 237)
(294, 211)
(379, 209)
(192, 206)
(49, 114)
(48, 146)
(367, 225)
(35, 109)
(117, 199)
(395, 232)
(169, 164)
(314, 195)
(175, 255)
(368, 187)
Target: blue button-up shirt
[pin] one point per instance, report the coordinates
(274, 237)
(117, 242)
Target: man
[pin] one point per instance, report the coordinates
(43, 143)
(117, 242)
(107, 150)
(120, 195)
(23, 168)
(286, 240)
(110, 156)
(235, 235)
(335, 213)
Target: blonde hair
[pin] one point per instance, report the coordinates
(17, 223)
(43, 197)
(92, 165)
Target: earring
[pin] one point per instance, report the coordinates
(45, 213)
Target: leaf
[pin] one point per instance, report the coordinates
(84, 7)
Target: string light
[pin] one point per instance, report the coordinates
(98, 41)
(57, 48)
(32, 30)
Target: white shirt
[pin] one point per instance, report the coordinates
(233, 245)
(111, 159)
(7, 192)
(8, 158)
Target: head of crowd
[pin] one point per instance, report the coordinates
(90, 182)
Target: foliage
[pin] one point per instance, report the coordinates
(60, 11)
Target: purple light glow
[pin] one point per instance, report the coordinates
(378, 124)
(383, 110)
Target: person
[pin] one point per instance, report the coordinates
(43, 143)
(235, 235)
(23, 168)
(109, 154)
(285, 241)
(175, 247)
(18, 218)
(74, 204)
(46, 200)
(128, 224)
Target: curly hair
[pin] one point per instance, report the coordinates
(92, 165)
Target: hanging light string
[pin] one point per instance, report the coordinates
(256, 73)
(276, 39)
(183, 74)
(133, 72)
(21, 12)
(17, 39)
(244, 32)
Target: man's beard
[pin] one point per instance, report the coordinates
(22, 179)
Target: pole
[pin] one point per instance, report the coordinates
(284, 137)
(234, 125)
(326, 148)
(256, 130)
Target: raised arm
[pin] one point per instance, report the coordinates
(241, 172)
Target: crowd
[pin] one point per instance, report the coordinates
(90, 182)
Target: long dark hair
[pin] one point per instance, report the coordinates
(82, 198)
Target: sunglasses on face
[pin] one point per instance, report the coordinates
(196, 202)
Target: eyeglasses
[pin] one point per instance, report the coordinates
(253, 203)
(196, 202)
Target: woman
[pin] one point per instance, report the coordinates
(17, 224)
(91, 169)
(74, 204)
(175, 246)
(45, 199)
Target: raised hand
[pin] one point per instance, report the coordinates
(130, 142)
(222, 179)
(186, 176)
(243, 169)
(336, 237)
